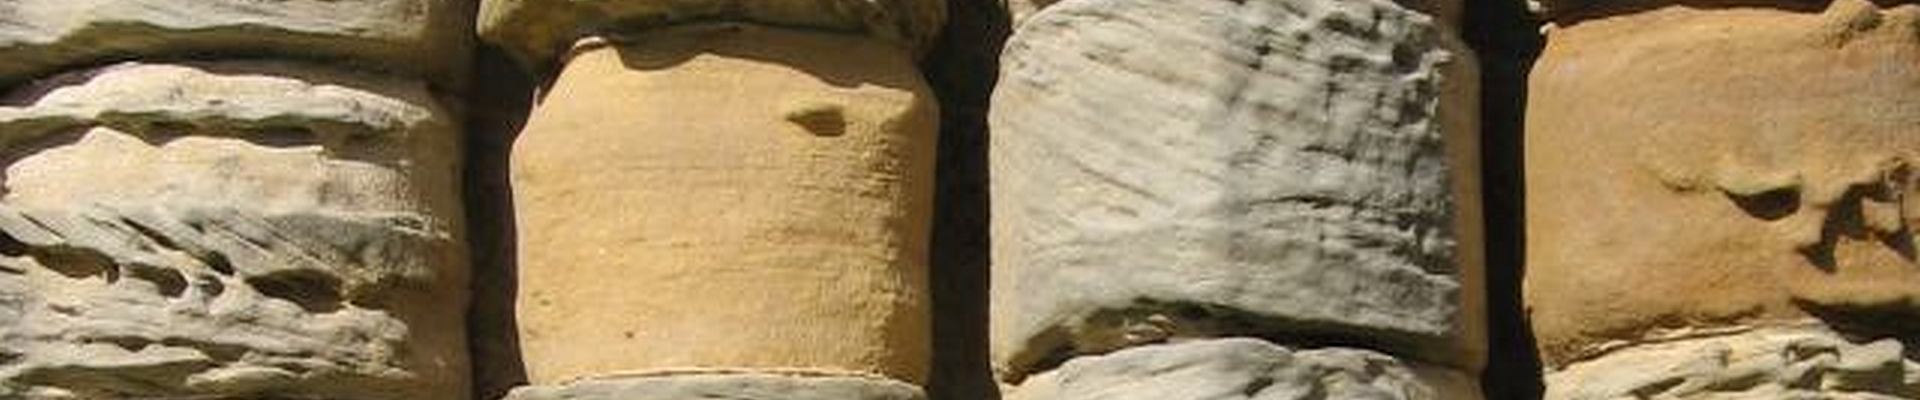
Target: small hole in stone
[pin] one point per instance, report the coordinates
(11, 247)
(80, 265)
(821, 119)
(312, 290)
(211, 286)
(287, 136)
(218, 262)
(171, 283)
(1769, 205)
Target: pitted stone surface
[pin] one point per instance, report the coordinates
(1239, 368)
(722, 385)
(536, 31)
(1773, 363)
(427, 38)
(1204, 168)
(229, 229)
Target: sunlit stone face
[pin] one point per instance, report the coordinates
(1697, 169)
(229, 229)
(725, 197)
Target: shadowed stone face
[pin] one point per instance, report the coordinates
(537, 31)
(229, 229)
(1298, 171)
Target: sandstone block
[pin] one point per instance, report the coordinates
(426, 38)
(230, 230)
(727, 196)
(1719, 168)
(1167, 169)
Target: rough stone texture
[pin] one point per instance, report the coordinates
(1203, 168)
(1691, 169)
(1445, 10)
(537, 30)
(1792, 363)
(229, 229)
(727, 196)
(424, 37)
(1242, 368)
(725, 385)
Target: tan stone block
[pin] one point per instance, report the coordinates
(727, 196)
(1699, 168)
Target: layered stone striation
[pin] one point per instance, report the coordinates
(230, 229)
(232, 199)
(1303, 173)
(426, 39)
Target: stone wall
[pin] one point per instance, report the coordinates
(958, 199)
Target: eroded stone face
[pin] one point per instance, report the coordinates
(424, 37)
(1771, 363)
(229, 229)
(1244, 368)
(1295, 170)
(725, 197)
(739, 385)
(538, 30)
(1694, 169)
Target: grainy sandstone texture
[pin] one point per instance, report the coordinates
(726, 196)
(1698, 170)
(1300, 171)
(230, 229)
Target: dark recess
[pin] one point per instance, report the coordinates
(500, 101)
(962, 69)
(1507, 39)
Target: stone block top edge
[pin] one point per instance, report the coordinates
(537, 32)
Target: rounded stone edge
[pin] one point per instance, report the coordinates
(435, 50)
(1255, 367)
(1804, 360)
(724, 384)
(537, 32)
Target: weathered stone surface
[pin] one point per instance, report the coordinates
(537, 30)
(1241, 368)
(1698, 168)
(424, 37)
(1444, 10)
(1779, 363)
(1204, 168)
(725, 385)
(229, 229)
(727, 196)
